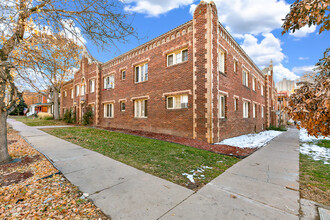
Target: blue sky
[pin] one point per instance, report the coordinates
(255, 24)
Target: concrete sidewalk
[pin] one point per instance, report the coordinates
(262, 186)
(121, 191)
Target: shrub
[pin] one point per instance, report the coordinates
(45, 115)
(88, 116)
(280, 128)
(67, 117)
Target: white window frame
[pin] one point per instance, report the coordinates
(245, 78)
(83, 89)
(235, 104)
(122, 75)
(179, 101)
(92, 85)
(65, 94)
(262, 90)
(262, 112)
(222, 106)
(121, 109)
(77, 90)
(177, 57)
(141, 72)
(235, 66)
(111, 110)
(254, 84)
(254, 106)
(140, 106)
(109, 82)
(245, 109)
(72, 94)
(221, 61)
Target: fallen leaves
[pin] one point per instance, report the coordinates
(33, 197)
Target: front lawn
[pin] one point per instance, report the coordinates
(32, 121)
(314, 179)
(173, 162)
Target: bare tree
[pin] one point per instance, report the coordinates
(47, 65)
(102, 22)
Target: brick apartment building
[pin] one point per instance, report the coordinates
(194, 81)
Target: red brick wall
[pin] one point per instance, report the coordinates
(181, 77)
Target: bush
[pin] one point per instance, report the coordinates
(281, 128)
(88, 116)
(67, 117)
(45, 115)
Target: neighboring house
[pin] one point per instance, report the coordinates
(37, 103)
(194, 81)
(282, 98)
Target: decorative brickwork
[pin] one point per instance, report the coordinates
(209, 90)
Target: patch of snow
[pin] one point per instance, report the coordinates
(190, 177)
(304, 137)
(251, 140)
(196, 173)
(316, 152)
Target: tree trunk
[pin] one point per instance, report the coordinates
(4, 156)
(56, 105)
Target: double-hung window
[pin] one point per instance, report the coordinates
(65, 94)
(92, 86)
(108, 110)
(177, 57)
(221, 61)
(141, 108)
(254, 106)
(123, 74)
(254, 84)
(122, 106)
(72, 93)
(245, 76)
(109, 82)
(177, 102)
(235, 104)
(262, 90)
(262, 111)
(77, 90)
(235, 66)
(222, 106)
(245, 109)
(141, 72)
(83, 89)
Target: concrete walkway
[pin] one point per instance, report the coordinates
(262, 186)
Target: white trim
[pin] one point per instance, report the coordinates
(107, 74)
(140, 62)
(177, 93)
(91, 103)
(140, 97)
(110, 101)
(235, 96)
(122, 100)
(246, 100)
(223, 92)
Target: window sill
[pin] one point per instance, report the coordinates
(141, 82)
(108, 117)
(177, 64)
(171, 109)
(108, 89)
(140, 117)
